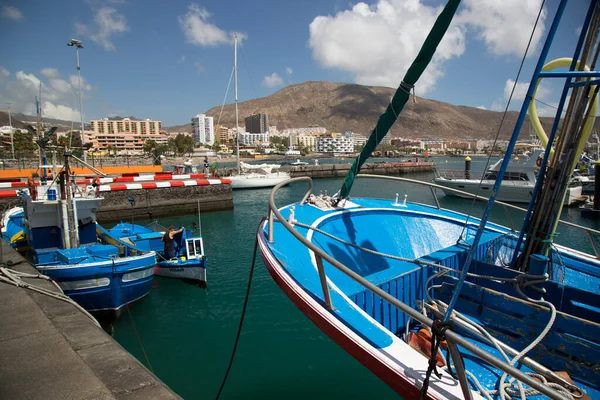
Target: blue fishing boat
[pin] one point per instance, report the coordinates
(189, 261)
(59, 225)
(441, 304)
(11, 228)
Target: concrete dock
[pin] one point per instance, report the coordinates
(51, 350)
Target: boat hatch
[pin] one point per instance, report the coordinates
(195, 249)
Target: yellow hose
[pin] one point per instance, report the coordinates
(535, 120)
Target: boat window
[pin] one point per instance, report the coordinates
(508, 176)
(194, 248)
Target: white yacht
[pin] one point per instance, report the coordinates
(517, 185)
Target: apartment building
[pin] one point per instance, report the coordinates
(257, 123)
(124, 143)
(250, 139)
(340, 144)
(111, 126)
(203, 130)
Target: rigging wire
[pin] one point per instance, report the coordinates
(469, 214)
(243, 316)
(226, 93)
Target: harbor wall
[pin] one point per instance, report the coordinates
(51, 350)
(164, 202)
(154, 203)
(340, 170)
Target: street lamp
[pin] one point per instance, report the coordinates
(12, 139)
(77, 44)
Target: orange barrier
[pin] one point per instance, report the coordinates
(117, 170)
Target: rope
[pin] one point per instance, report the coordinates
(12, 277)
(438, 335)
(242, 317)
(506, 111)
(137, 334)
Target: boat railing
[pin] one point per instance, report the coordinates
(589, 232)
(453, 339)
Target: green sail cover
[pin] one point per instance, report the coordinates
(387, 119)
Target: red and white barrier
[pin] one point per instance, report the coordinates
(8, 193)
(168, 184)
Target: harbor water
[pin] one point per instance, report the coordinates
(187, 331)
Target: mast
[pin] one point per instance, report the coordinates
(237, 126)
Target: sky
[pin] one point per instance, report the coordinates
(170, 60)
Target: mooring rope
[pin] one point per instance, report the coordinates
(243, 316)
(14, 278)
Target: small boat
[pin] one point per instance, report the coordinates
(517, 184)
(59, 226)
(251, 176)
(12, 229)
(257, 176)
(445, 305)
(189, 262)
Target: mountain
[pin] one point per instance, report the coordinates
(23, 119)
(342, 106)
(16, 123)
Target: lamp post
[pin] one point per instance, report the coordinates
(12, 139)
(77, 44)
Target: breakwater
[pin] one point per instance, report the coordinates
(51, 350)
(340, 170)
(151, 203)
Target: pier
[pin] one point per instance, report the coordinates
(51, 350)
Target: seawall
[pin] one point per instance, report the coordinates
(340, 170)
(162, 202)
(51, 350)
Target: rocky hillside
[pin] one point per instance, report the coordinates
(342, 106)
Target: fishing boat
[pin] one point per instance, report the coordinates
(517, 185)
(189, 261)
(446, 305)
(59, 225)
(249, 176)
(11, 228)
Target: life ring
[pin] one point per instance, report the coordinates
(32, 188)
(538, 162)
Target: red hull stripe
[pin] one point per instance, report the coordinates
(393, 379)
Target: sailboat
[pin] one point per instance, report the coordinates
(441, 304)
(250, 176)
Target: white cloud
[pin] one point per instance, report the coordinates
(199, 67)
(50, 72)
(494, 22)
(376, 44)
(521, 91)
(272, 80)
(75, 84)
(199, 31)
(482, 107)
(181, 60)
(107, 22)
(12, 13)
(58, 97)
(289, 71)
(4, 75)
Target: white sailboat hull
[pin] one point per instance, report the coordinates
(510, 191)
(253, 181)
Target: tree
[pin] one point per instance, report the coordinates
(149, 146)
(184, 144)
(23, 142)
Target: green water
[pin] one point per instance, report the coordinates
(188, 331)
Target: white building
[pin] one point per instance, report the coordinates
(341, 144)
(359, 140)
(250, 139)
(203, 130)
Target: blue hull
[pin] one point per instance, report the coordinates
(104, 286)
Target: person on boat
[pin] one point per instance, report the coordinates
(206, 167)
(170, 242)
